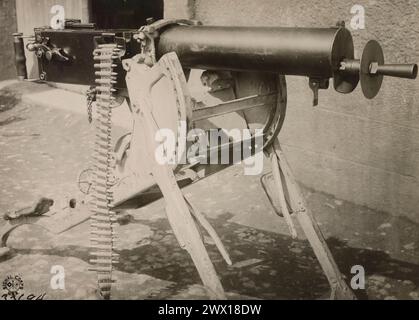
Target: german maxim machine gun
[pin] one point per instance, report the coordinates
(149, 69)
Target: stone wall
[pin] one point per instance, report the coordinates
(7, 28)
(363, 151)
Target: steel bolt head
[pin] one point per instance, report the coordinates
(373, 67)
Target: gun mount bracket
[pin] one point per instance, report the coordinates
(148, 34)
(315, 85)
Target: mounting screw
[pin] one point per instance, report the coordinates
(39, 53)
(341, 24)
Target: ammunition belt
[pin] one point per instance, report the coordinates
(103, 217)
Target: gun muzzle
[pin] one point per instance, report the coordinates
(407, 71)
(371, 69)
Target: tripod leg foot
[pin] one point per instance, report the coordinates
(340, 289)
(211, 231)
(187, 232)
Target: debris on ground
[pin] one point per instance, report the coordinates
(410, 246)
(125, 219)
(246, 263)
(40, 208)
(385, 226)
(4, 251)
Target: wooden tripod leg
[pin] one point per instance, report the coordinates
(186, 231)
(340, 289)
(149, 112)
(276, 172)
(210, 230)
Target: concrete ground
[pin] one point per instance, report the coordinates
(45, 142)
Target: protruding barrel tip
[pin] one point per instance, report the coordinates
(407, 71)
(415, 71)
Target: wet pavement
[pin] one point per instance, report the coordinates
(43, 150)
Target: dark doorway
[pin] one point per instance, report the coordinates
(124, 14)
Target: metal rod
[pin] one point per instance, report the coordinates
(234, 106)
(407, 71)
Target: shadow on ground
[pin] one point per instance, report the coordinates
(265, 265)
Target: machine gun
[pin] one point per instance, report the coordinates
(149, 68)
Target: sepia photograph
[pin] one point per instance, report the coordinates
(209, 156)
